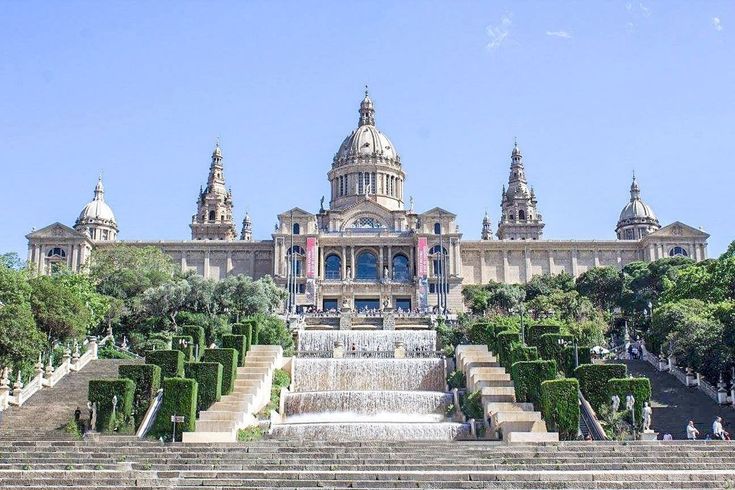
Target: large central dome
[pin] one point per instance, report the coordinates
(367, 166)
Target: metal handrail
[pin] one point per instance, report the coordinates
(589, 417)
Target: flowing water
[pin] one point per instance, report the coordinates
(380, 340)
(380, 398)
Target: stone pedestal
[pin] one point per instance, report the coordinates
(400, 351)
(345, 319)
(648, 435)
(389, 319)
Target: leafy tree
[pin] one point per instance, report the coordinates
(166, 300)
(507, 297)
(59, 312)
(273, 331)
(20, 339)
(602, 285)
(11, 261)
(240, 296)
(201, 297)
(125, 272)
(544, 284)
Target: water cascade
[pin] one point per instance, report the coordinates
(368, 394)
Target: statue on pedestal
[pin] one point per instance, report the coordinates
(615, 403)
(647, 413)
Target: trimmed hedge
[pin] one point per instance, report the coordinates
(228, 359)
(472, 405)
(534, 333)
(237, 342)
(208, 376)
(505, 341)
(197, 334)
(245, 329)
(560, 406)
(147, 379)
(520, 352)
(187, 348)
(527, 378)
(639, 387)
(593, 380)
(482, 332)
(171, 362)
(179, 398)
(102, 391)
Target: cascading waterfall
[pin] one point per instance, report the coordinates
(380, 340)
(377, 398)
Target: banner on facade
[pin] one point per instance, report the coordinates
(422, 260)
(311, 257)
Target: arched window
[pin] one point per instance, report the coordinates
(367, 266)
(212, 215)
(439, 259)
(401, 271)
(521, 214)
(437, 228)
(56, 252)
(678, 252)
(296, 256)
(333, 267)
(296, 229)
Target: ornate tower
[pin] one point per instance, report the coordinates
(247, 228)
(520, 219)
(367, 166)
(487, 231)
(213, 220)
(637, 219)
(97, 219)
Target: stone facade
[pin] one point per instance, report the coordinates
(366, 250)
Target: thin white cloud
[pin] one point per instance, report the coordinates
(562, 34)
(717, 23)
(499, 33)
(646, 11)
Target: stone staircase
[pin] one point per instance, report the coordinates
(125, 462)
(504, 417)
(236, 410)
(49, 410)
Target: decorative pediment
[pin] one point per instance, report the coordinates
(438, 212)
(56, 230)
(297, 213)
(678, 229)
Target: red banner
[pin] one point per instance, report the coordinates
(422, 257)
(311, 257)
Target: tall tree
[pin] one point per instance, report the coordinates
(20, 339)
(602, 285)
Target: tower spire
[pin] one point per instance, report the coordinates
(213, 220)
(520, 219)
(367, 111)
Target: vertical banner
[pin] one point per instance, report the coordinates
(311, 266)
(422, 261)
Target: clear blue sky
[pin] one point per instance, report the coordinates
(592, 90)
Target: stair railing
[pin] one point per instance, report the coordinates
(150, 415)
(589, 417)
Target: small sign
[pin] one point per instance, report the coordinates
(179, 419)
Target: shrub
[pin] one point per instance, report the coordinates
(102, 391)
(593, 380)
(185, 344)
(456, 380)
(179, 398)
(527, 378)
(640, 388)
(560, 406)
(171, 362)
(550, 349)
(281, 378)
(472, 405)
(228, 359)
(197, 335)
(245, 329)
(534, 333)
(249, 434)
(273, 331)
(519, 352)
(147, 379)
(237, 342)
(208, 376)
(483, 333)
(505, 341)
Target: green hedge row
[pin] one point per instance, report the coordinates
(640, 388)
(245, 329)
(171, 362)
(184, 344)
(179, 398)
(534, 333)
(505, 341)
(237, 342)
(208, 376)
(102, 392)
(482, 332)
(593, 380)
(560, 406)
(198, 337)
(520, 352)
(228, 359)
(147, 379)
(527, 378)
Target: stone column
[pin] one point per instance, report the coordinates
(352, 261)
(411, 267)
(206, 264)
(344, 262)
(505, 266)
(597, 258)
(390, 262)
(381, 262)
(229, 263)
(39, 259)
(574, 262)
(551, 261)
(527, 273)
(320, 251)
(73, 259)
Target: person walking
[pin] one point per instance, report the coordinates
(692, 431)
(717, 431)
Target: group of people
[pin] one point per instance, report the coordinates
(718, 432)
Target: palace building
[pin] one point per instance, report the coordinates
(369, 247)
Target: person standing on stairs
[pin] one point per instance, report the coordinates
(692, 431)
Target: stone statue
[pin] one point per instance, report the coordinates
(321, 205)
(647, 413)
(615, 403)
(410, 203)
(93, 419)
(629, 402)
